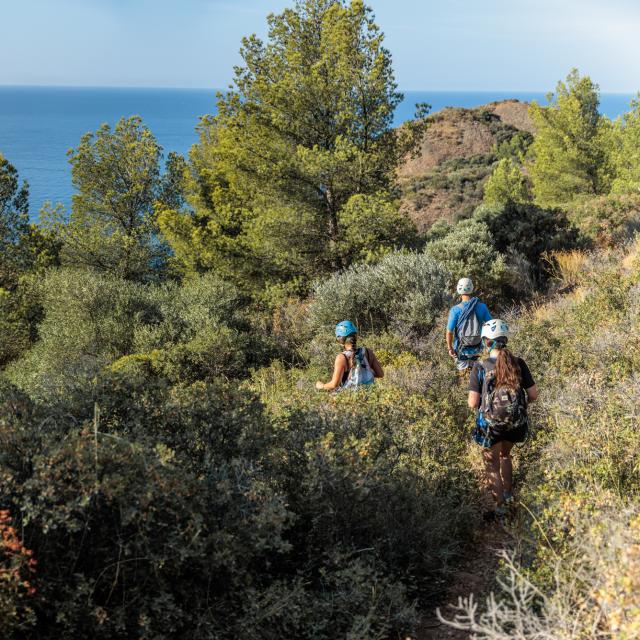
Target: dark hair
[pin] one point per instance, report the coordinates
(508, 372)
(350, 344)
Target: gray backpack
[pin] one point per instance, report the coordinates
(468, 329)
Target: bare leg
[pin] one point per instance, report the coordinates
(506, 467)
(492, 467)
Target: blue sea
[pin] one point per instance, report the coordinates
(38, 125)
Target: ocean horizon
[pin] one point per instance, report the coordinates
(38, 124)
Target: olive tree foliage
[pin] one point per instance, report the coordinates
(94, 322)
(89, 319)
(306, 125)
(568, 156)
(112, 226)
(468, 250)
(404, 291)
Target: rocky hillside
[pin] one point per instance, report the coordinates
(456, 156)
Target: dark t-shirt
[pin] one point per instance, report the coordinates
(475, 383)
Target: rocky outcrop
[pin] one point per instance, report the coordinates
(457, 154)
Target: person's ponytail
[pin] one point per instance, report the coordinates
(350, 344)
(508, 373)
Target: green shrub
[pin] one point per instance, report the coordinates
(469, 251)
(88, 321)
(405, 290)
(527, 230)
(379, 471)
(607, 221)
(94, 321)
(200, 331)
(200, 422)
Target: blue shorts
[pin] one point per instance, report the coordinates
(517, 435)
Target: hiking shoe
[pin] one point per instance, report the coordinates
(498, 515)
(489, 516)
(501, 515)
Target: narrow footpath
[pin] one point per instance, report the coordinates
(475, 574)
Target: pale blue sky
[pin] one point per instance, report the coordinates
(444, 44)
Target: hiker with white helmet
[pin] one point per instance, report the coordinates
(500, 389)
(464, 326)
(355, 366)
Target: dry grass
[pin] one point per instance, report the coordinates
(568, 267)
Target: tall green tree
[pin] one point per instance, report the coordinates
(625, 154)
(112, 226)
(14, 223)
(24, 250)
(306, 125)
(569, 152)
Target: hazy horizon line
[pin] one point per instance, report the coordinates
(216, 89)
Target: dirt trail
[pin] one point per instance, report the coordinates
(474, 574)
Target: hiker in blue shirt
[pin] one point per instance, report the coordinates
(465, 326)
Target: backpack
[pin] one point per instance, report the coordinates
(361, 372)
(502, 408)
(468, 329)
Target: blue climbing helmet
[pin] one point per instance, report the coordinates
(345, 328)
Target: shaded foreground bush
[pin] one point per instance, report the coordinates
(160, 507)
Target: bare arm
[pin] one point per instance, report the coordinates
(339, 368)
(473, 400)
(375, 364)
(449, 339)
(532, 393)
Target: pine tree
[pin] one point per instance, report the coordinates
(625, 153)
(306, 125)
(507, 184)
(569, 155)
(14, 223)
(112, 227)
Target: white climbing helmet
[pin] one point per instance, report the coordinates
(495, 329)
(465, 286)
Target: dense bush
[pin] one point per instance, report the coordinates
(607, 220)
(89, 320)
(403, 289)
(92, 321)
(380, 472)
(468, 251)
(131, 524)
(527, 230)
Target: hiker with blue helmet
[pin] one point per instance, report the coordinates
(464, 326)
(355, 366)
(500, 388)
